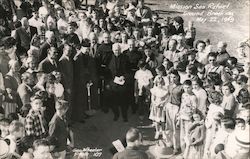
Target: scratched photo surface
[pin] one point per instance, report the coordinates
(217, 20)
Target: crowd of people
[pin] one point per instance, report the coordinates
(58, 62)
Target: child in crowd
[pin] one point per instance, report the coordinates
(49, 102)
(143, 82)
(188, 106)
(195, 137)
(59, 89)
(161, 72)
(158, 101)
(59, 130)
(16, 130)
(34, 120)
(4, 127)
(41, 149)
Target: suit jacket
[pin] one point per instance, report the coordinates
(118, 66)
(105, 52)
(144, 13)
(23, 38)
(133, 57)
(103, 14)
(44, 50)
(25, 92)
(222, 58)
(66, 68)
(47, 67)
(196, 64)
(174, 31)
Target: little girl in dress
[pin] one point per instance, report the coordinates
(143, 83)
(59, 89)
(158, 100)
(195, 137)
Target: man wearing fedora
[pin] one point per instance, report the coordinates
(133, 139)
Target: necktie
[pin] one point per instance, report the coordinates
(93, 51)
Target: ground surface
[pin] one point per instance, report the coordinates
(100, 130)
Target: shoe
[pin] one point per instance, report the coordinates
(125, 120)
(157, 135)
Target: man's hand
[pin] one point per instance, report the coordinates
(122, 78)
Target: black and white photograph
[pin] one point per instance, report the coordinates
(124, 79)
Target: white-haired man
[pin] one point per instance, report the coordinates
(50, 41)
(23, 36)
(118, 68)
(222, 54)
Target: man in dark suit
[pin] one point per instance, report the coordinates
(118, 71)
(222, 54)
(50, 41)
(105, 53)
(49, 64)
(143, 12)
(25, 89)
(133, 58)
(104, 12)
(191, 57)
(23, 36)
(93, 66)
(66, 68)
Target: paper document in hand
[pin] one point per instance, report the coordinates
(118, 145)
(119, 81)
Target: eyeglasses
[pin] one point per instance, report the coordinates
(212, 60)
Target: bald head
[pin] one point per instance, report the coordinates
(116, 49)
(25, 22)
